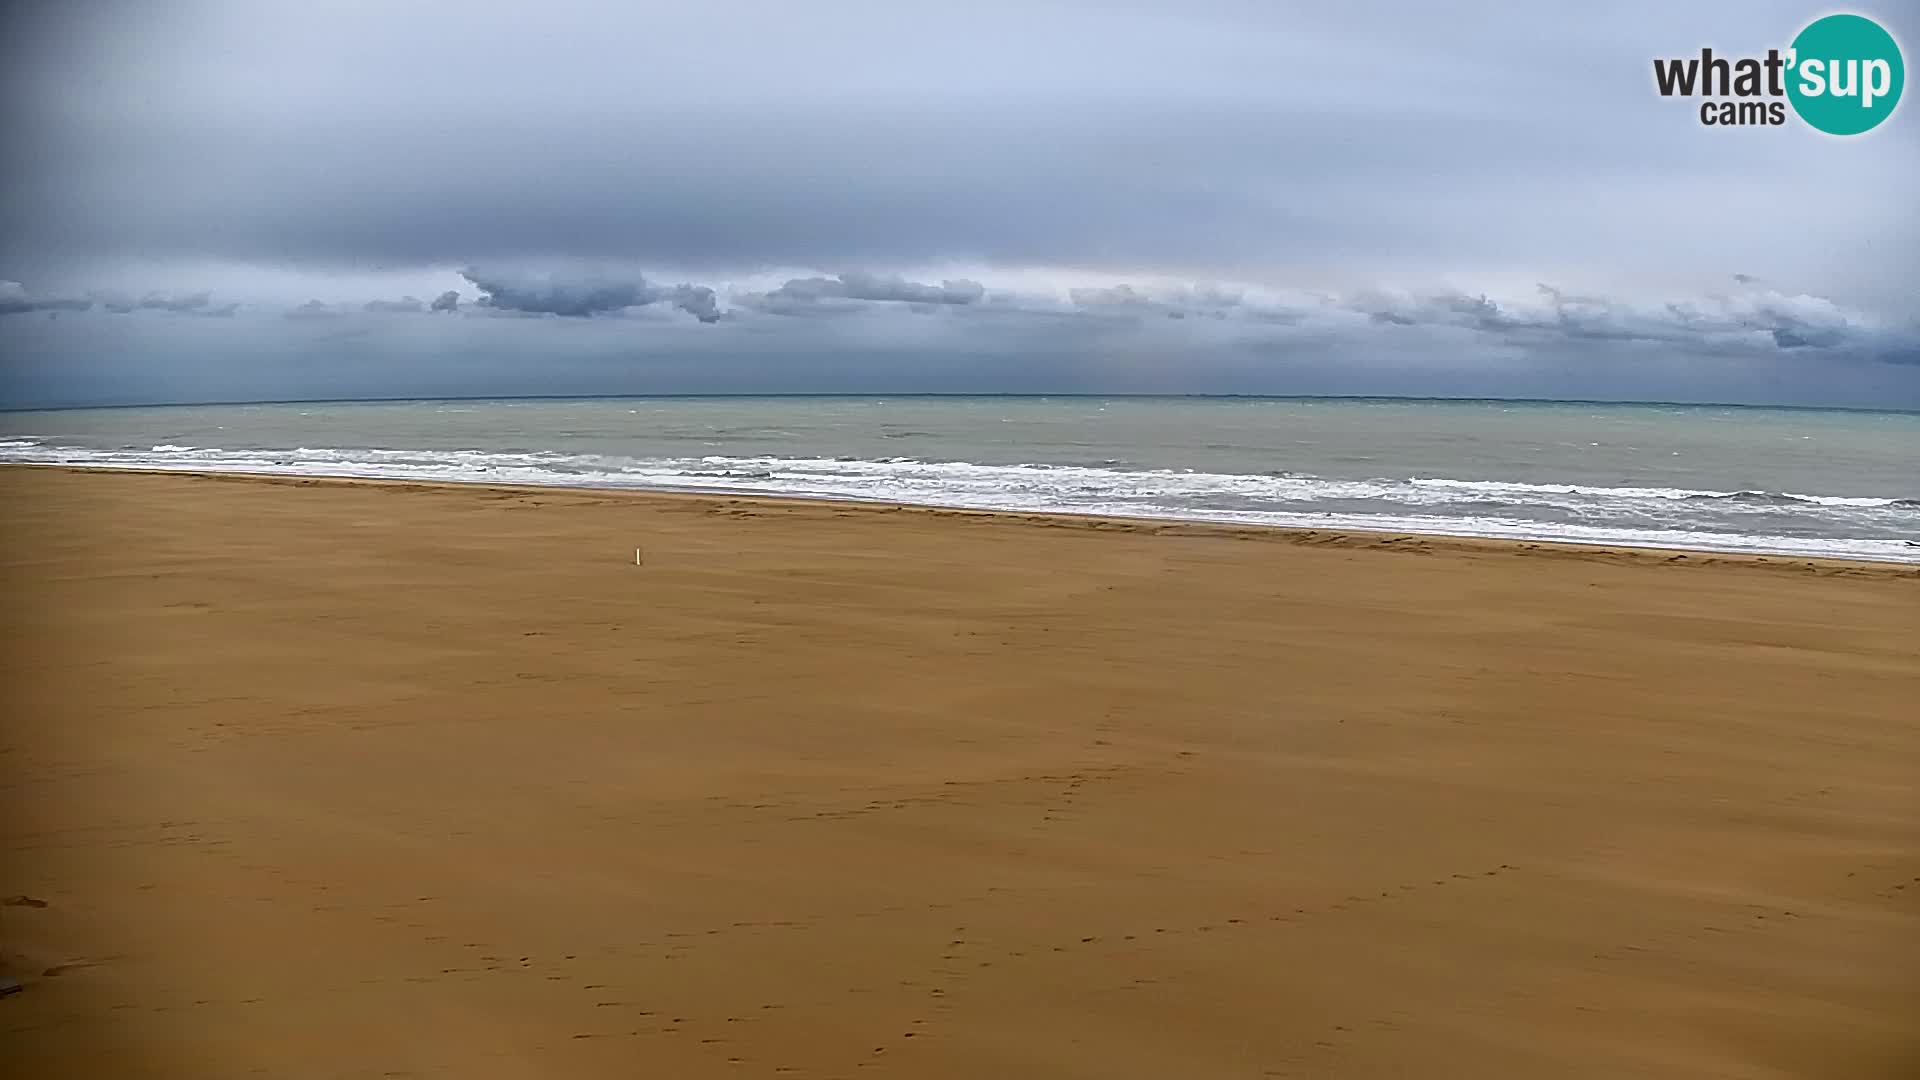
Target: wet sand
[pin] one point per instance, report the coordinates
(321, 779)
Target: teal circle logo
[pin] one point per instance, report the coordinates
(1845, 74)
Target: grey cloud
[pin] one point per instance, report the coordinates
(1752, 319)
(799, 294)
(549, 295)
(16, 300)
(447, 301)
(1476, 311)
(583, 294)
(896, 288)
(1108, 296)
(1707, 322)
(314, 309)
(1177, 303)
(194, 302)
(405, 303)
(698, 301)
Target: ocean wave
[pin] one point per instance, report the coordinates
(1770, 497)
(1875, 528)
(1781, 498)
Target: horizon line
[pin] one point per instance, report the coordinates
(846, 395)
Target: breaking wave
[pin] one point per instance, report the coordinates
(1749, 521)
(1773, 498)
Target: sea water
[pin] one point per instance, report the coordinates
(1781, 481)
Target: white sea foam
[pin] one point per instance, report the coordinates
(1761, 522)
(1500, 487)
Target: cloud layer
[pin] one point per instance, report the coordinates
(1212, 139)
(607, 331)
(1750, 316)
(1212, 196)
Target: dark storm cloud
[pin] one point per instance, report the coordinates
(447, 301)
(548, 295)
(582, 294)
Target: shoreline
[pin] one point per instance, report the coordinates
(1300, 536)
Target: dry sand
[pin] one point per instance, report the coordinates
(357, 780)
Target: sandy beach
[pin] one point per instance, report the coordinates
(328, 779)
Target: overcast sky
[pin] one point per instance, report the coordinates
(267, 199)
